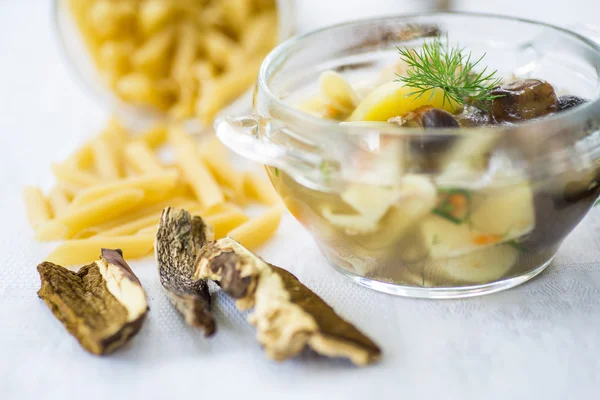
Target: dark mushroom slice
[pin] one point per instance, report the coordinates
(522, 100)
(569, 101)
(427, 148)
(103, 304)
(178, 241)
(288, 316)
(472, 116)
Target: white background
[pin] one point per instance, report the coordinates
(541, 340)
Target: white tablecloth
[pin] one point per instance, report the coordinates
(538, 341)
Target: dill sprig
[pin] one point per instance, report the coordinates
(437, 65)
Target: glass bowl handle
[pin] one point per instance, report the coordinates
(590, 31)
(240, 134)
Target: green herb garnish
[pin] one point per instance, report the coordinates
(437, 65)
(514, 244)
(276, 171)
(454, 205)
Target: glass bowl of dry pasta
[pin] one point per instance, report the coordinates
(176, 60)
(437, 155)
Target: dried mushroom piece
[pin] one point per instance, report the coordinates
(288, 316)
(178, 241)
(103, 304)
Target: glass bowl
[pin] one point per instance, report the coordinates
(139, 117)
(374, 196)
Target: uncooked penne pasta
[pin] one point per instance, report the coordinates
(140, 156)
(223, 172)
(106, 162)
(162, 182)
(260, 34)
(59, 201)
(257, 231)
(38, 211)
(222, 208)
(116, 133)
(155, 136)
(213, 146)
(260, 190)
(140, 88)
(82, 251)
(70, 190)
(220, 48)
(185, 51)
(132, 226)
(151, 209)
(219, 92)
(205, 187)
(71, 175)
(152, 56)
(82, 158)
(225, 222)
(79, 218)
(149, 230)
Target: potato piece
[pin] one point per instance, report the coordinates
(504, 211)
(337, 91)
(394, 99)
(477, 267)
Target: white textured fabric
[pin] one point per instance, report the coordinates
(538, 341)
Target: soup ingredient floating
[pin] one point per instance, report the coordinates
(111, 191)
(185, 58)
(449, 69)
(103, 305)
(178, 242)
(288, 316)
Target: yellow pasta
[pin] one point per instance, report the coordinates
(136, 214)
(132, 227)
(185, 51)
(70, 190)
(205, 188)
(71, 175)
(155, 136)
(82, 251)
(149, 230)
(220, 48)
(114, 57)
(116, 133)
(223, 172)
(261, 34)
(236, 14)
(38, 211)
(59, 201)
(225, 222)
(220, 91)
(257, 231)
(82, 158)
(162, 182)
(106, 162)
(79, 218)
(222, 208)
(152, 56)
(260, 190)
(149, 51)
(214, 146)
(140, 88)
(140, 156)
(154, 14)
